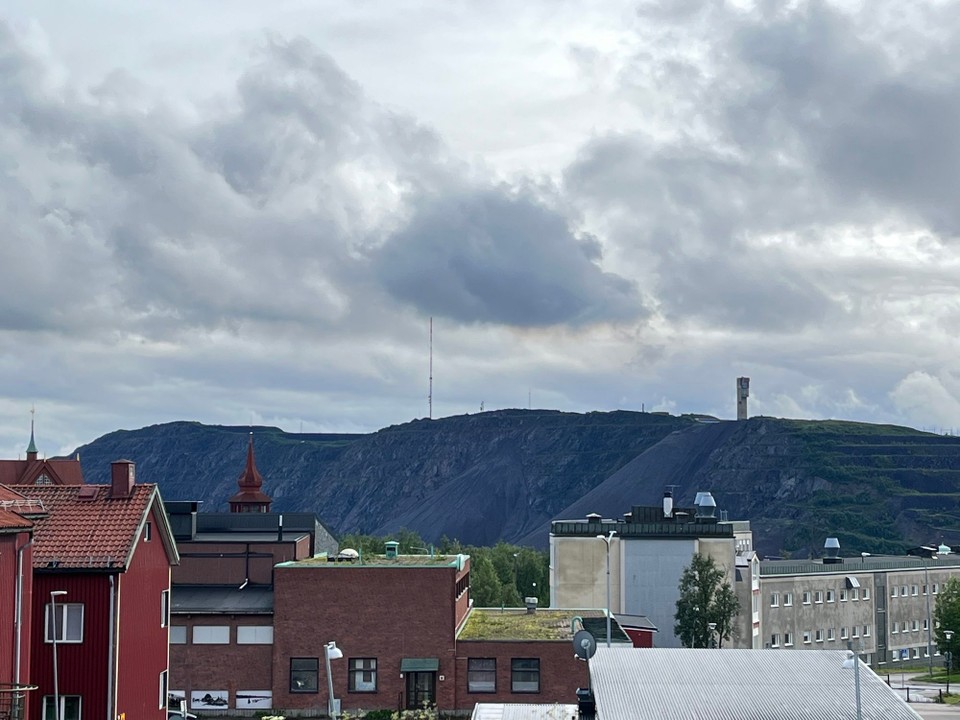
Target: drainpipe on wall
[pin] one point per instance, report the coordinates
(111, 654)
(18, 619)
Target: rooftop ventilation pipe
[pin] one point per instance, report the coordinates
(707, 509)
(668, 504)
(531, 603)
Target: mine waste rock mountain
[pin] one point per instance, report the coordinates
(504, 475)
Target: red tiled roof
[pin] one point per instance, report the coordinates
(10, 521)
(96, 533)
(63, 471)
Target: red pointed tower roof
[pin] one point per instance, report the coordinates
(250, 498)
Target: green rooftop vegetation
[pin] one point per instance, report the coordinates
(518, 624)
(379, 561)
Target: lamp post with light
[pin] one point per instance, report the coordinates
(853, 660)
(607, 539)
(331, 652)
(948, 656)
(926, 581)
(54, 594)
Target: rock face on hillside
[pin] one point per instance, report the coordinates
(506, 474)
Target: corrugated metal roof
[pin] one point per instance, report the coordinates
(675, 684)
(205, 599)
(519, 711)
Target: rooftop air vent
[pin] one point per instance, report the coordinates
(531, 603)
(594, 517)
(392, 549)
(707, 509)
(831, 551)
(668, 504)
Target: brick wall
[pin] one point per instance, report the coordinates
(383, 612)
(229, 667)
(560, 673)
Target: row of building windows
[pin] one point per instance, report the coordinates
(908, 626)
(817, 597)
(362, 675)
(220, 635)
(828, 635)
(915, 590)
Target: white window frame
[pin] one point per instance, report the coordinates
(211, 634)
(818, 597)
(819, 636)
(164, 608)
(788, 639)
(775, 640)
(148, 531)
(806, 597)
(788, 599)
(914, 590)
(895, 630)
(843, 633)
(807, 637)
(255, 635)
(866, 631)
(164, 681)
(775, 599)
(831, 634)
(831, 596)
(843, 595)
(866, 593)
(65, 611)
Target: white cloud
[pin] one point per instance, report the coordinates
(258, 211)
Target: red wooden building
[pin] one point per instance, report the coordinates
(16, 579)
(102, 556)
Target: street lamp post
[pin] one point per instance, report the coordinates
(853, 659)
(926, 581)
(54, 594)
(713, 629)
(607, 539)
(330, 652)
(948, 656)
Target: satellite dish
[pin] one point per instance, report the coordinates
(584, 644)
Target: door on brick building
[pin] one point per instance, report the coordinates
(421, 689)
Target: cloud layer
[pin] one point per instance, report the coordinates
(637, 206)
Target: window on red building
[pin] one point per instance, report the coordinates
(363, 674)
(303, 675)
(482, 675)
(69, 623)
(69, 707)
(525, 675)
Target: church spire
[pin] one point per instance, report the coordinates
(32, 447)
(250, 498)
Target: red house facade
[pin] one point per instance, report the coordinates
(102, 557)
(16, 579)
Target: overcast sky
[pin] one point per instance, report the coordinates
(242, 211)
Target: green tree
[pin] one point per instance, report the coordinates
(705, 597)
(946, 616)
(485, 588)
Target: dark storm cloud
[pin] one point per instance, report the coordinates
(496, 258)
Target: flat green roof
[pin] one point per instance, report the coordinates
(548, 624)
(379, 561)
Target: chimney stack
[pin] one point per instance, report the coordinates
(122, 478)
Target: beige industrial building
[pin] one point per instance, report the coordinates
(648, 551)
(883, 604)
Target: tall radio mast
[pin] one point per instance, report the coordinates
(430, 393)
